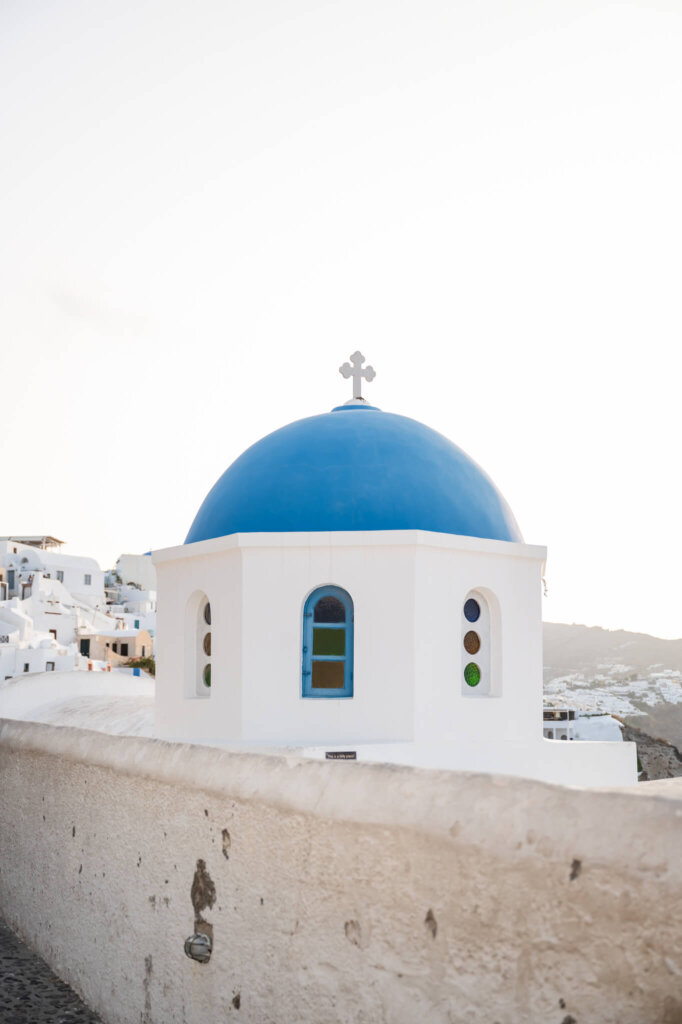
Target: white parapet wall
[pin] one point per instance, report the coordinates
(336, 891)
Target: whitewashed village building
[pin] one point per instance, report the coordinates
(131, 592)
(55, 615)
(136, 570)
(355, 585)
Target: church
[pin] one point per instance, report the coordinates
(354, 586)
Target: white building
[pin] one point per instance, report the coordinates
(51, 604)
(136, 569)
(558, 723)
(135, 607)
(355, 584)
(23, 558)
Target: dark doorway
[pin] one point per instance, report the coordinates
(85, 648)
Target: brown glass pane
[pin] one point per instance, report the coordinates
(328, 675)
(329, 609)
(207, 614)
(329, 641)
(472, 642)
(207, 645)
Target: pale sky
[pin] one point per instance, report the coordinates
(206, 206)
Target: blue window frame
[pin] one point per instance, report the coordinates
(328, 644)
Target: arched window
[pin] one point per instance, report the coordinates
(198, 648)
(204, 649)
(476, 646)
(328, 644)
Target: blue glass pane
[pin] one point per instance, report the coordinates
(472, 610)
(329, 609)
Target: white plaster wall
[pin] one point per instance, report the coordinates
(257, 585)
(500, 732)
(32, 695)
(343, 892)
(16, 658)
(14, 616)
(179, 711)
(137, 569)
(8, 660)
(509, 576)
(74, 568)
(379, 576)
(45, 618)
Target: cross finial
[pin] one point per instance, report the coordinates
(357, 373)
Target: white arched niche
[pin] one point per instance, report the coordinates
(198, 646)
(480, 645)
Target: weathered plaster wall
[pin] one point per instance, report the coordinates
(343, 891)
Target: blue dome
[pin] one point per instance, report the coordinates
(355, 468)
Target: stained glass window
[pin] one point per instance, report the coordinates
(472, 674)
(472, 642)
(328, 644)
(472, 610)
(476, 675)
(203, 643)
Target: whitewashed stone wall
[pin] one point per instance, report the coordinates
(337, 892)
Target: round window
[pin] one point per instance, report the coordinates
(207, 645)
(207, 675)
(472, 642)
(472, 674)
(472, 610)
(207, 614)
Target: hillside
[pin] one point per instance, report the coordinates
(632, 675)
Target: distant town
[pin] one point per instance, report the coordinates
(61, 612)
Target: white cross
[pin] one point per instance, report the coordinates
(357, 373)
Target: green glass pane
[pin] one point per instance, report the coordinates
(207, 675)
(472, 674)
(329, 641)
(328, 675)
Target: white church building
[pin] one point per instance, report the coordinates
(354, 585)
